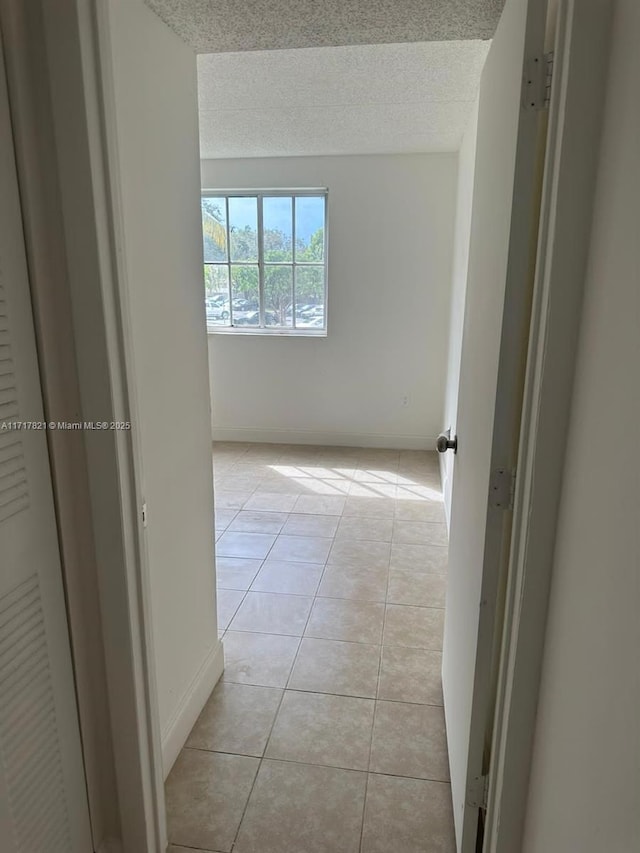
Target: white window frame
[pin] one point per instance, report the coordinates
(260, 195)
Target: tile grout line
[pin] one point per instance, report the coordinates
(319, 764)
(333, 639)
(266, 746)
(339, 695)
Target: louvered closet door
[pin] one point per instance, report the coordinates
(43, 804)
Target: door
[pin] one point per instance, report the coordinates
(500, 276)
(43, 804)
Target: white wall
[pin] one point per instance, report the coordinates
(462, 235)
(585, 779)
(390, 247)
(156, 111)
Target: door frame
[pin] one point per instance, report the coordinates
(76, 42)
(575, 111)
(82, 241)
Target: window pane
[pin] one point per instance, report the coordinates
(277, 230)
(216, 285)
(245, 293)
(214, 229)
(310, 297)
(278, 296)
(309, 228)
(243, 228)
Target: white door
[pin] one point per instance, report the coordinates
(43, 804)
(503, 233)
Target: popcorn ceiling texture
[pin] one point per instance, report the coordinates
(212, 26)
(361, 99)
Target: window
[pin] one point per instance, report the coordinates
(265, 261)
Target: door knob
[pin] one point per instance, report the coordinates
(444, 442)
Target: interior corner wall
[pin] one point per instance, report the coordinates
(155, 94)
(377, 379)
(585, 775)
(462, 236)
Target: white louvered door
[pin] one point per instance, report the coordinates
(43, 803)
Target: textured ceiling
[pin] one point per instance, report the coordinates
(364, 99)
(212, 26)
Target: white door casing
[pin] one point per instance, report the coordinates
(43, 803)
(500, 277)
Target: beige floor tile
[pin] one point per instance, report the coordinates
(301, 549)
(230, 499)
(328, 504)
(419, 533)
(407, 816)
(276, 484)
(237, 718)
(253, 521)
(414, 490)
(421, 471)
(355, 527)
(253, 545)
(333, 457)
(242, 483)
(381, 457)
(423, 589)
(330, 666)
(311, 525)
(419, 558)
(385, 510)
(410, 740)
(411, 675)
(369, 555)
(236, 572)
(376, 474)
(271, 613)
(300, 808)
(338, 488)
(318, 728)
(369, 507)
(262, 659)
(415, 457)
(432, 511)
(173, 848)
(356, 583)
(271, 502)
(228, 601)
(206, 794)
(223, 518)
(220, 469)
(262, 452)
(317, 471)
(292, 454)
(289, 578)
(388, 491)
(415, 627)
(245, 466)
(340, 619)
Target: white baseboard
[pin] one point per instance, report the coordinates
(341, 439)
(177, 730)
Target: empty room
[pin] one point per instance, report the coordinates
(329, 191)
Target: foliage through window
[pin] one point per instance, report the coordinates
(264, 261)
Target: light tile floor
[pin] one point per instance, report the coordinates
(326, 733)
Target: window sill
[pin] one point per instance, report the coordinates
(268, 333)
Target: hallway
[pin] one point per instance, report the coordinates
(326, 733)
